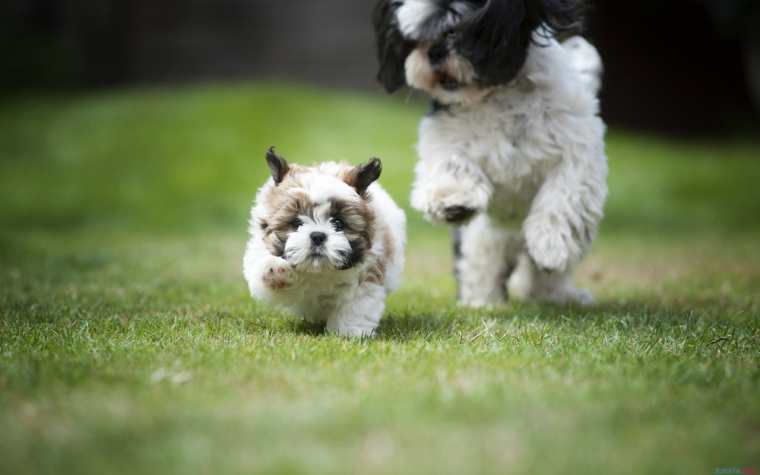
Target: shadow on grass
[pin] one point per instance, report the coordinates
(629, 314)
(308, 328)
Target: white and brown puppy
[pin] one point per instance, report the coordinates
(327, 243)
(512, 153)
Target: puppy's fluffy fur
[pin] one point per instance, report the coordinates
(326, 243)
(512, 153)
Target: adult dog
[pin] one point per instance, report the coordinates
(512, 152)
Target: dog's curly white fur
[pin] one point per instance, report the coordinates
(327, 243)
(512, 156)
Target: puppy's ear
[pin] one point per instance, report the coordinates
(364, 175)
(392, 48)
(277, 165)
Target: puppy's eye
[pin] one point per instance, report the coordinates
(296, 223)
(338, 224)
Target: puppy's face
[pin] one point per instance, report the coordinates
(459, 50)
(318, 218)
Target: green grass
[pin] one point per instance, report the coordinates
(128, 343)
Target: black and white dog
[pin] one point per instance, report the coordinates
(512, 153)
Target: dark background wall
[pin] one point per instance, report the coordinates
(683, 66)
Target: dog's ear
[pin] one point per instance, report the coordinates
(392, 48)
(277, 165)
(562, 18)
(495, 39)
(364, 175)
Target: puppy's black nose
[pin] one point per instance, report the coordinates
(438, 53)
(317, 238)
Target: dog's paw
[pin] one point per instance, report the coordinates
(454, 214)
(582, 297)
(454, 205)
(458, 214)
(349, 331)
(278, 274)
(480, 303)
(564, 295)
(548, 249)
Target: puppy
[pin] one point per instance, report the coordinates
(327, 243)
(512, 152)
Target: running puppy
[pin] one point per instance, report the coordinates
(327, 243)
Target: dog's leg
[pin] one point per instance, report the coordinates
(359, 316)
(532, 283)
(485, 255)
(450, 191)
(565, 214)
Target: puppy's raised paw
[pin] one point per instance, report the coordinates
(278, 274)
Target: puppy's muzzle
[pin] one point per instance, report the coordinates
(318, 238)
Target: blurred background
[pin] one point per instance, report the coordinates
(675, 67)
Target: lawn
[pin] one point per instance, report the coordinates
(128, 343)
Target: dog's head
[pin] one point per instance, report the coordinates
(318, 218)
(459, 50)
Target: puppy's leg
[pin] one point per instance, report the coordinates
(359, 316)
(268, 276)
(554, 287)
(450, 191)
(484, 256)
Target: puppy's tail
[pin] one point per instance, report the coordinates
(586, 60)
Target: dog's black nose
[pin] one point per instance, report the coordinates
(438, 53)
(317, 238)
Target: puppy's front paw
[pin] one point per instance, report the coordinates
(278, 274)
